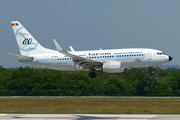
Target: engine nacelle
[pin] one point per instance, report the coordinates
(112, 67)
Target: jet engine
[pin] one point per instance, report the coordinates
(112, 67)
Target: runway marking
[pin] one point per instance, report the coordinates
(3, 114)
(88, 116)
(78, 116)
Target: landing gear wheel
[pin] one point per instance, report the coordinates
(92, 74)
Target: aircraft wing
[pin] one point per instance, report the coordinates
(81, 61)
(21, 57)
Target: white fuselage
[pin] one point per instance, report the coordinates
(129, 58)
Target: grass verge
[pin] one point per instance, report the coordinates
(88, 105)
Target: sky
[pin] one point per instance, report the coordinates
(92, 24)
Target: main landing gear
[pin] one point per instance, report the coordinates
(92, 74)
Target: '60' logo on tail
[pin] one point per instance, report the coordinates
(27, 41)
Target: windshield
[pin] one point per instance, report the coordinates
(160, 53)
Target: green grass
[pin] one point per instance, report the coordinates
(89, 105)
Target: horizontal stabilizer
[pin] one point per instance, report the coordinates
(21, 57)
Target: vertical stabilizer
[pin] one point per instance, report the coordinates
(27, 44)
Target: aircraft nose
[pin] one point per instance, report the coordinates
(170, 58)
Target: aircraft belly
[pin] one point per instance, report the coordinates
(154, 63)
(62, 66)
(127, 63)
(137, 63)
(54, 65)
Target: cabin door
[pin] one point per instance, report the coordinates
(149, 57)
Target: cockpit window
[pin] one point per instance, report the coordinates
(160, 53)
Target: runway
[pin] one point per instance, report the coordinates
(87, 116)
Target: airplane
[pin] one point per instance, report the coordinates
(109, 61)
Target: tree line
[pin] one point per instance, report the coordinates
(30, 78)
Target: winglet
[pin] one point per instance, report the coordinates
(58, 47)
(71, 48)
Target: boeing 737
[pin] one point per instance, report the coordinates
(109, 61)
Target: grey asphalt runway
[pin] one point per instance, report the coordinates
(87, 116)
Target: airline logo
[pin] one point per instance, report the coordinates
(25, 42)
(27, 45)
(14, 24)
(24, 39)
